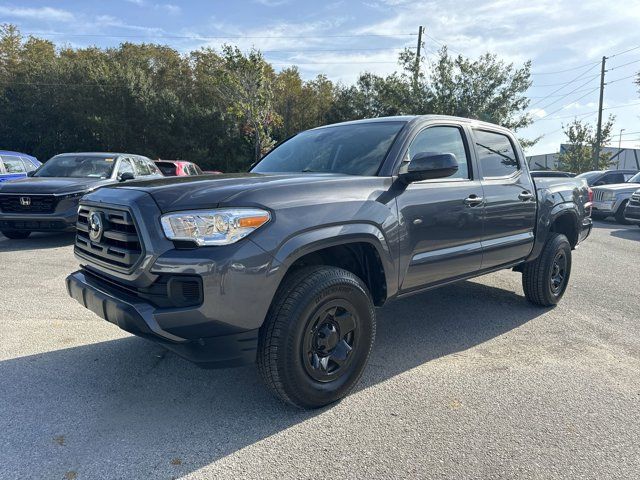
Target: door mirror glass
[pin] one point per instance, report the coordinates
(30, 174)
(429, 165)
(124, 176)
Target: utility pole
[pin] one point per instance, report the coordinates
(596, 156)
(415, 78)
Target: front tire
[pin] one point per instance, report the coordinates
(545, 279)
(317, 337)
(16, 234)
(620, 214)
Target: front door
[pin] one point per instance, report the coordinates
(441, 219)
(510, 199)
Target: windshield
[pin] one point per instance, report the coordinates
(77, 166)
(356, 149)
(635, 178)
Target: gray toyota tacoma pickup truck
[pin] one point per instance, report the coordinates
(283, 266)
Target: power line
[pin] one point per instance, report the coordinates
(623, 65)
(565, 70)
(569, 93)
(302, 50)
(219, 37)
(570, 82)
(624, 51)
(585, 114)
(564, 106)
(558, 95)
(623, 78)
(563, 83)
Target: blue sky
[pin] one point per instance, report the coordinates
(343, 38)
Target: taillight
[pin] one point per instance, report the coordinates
(590, 194)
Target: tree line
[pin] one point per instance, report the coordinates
(222, 108)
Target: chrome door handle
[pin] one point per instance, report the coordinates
(473, 200)
(524, 196)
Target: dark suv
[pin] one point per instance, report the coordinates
(47, 200)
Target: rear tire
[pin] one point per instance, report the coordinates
(620, 214)
(317, 337)
(16, 234)
(545, 279)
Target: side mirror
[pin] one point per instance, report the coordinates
(30, 174)
(429, 165)
(123, 177)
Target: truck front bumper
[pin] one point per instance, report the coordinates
(141, 318)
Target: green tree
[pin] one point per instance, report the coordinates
(577, 155)
(247, 85)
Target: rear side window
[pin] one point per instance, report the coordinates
(496, 155)
(13, 164)
(616, 177)
(141, 166)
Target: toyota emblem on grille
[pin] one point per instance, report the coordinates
(96, 226)
(25, 201)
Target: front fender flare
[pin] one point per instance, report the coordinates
(310, 241)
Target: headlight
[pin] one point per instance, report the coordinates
(74, 194)
(607, 196)
(213, 227)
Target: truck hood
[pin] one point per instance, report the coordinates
(209, 191)
(618, 187)
(52, 185)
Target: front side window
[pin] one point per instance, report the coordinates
(442, 140)
(77, 166)
(13, 164)
(496, 155)
(29, 166)
(153, 170)
(355, 149)
(635, 178)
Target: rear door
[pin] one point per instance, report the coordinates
(442, 218)
(509, 196)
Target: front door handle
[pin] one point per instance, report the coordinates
(473, 200)
(524, 196)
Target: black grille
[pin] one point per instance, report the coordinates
(28, 203)
(119, 246)
(168, 291)
(33, 225)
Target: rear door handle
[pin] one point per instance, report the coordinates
(524, 196)
(473, 200)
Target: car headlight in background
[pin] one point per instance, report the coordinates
(74, 194)
(213, 227)
(608, 196)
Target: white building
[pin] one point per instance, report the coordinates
(621, 158)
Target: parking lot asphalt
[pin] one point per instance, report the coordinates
(468, 381)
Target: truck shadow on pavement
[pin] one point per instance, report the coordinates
(128, 409)
(37, 241)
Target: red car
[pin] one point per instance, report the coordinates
(178, 168)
